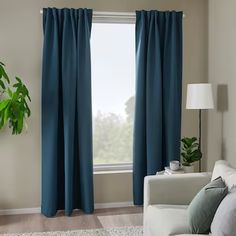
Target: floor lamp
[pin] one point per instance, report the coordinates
(199, 96)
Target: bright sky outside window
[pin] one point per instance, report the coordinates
(113, 90)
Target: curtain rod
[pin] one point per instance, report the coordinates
(106, 14)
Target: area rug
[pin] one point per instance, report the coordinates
(119, 231)
(122, 220)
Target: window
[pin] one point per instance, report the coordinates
(113, 90)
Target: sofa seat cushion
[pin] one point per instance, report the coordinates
(166, 220)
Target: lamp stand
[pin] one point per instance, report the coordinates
(200, 136)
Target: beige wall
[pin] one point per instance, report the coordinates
(21, 50)
(222, 74)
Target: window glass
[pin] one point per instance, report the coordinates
(113, 90)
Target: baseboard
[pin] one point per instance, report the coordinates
(113, 205)
(21, 211)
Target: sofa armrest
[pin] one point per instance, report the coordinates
(177, 189)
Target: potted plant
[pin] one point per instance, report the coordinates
(14, 100)
(190, 153)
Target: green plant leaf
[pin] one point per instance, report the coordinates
(27, 109)
(0, 72)
(4, 74)
(194, 139)
(2, 85)
(1, 122)
(9, 92)
(195, 145)
(14, 109)
(19, 80)
(189, 150)
(6, 113)
(3, 104)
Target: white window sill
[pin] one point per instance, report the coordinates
(112, 172)
(113, 168)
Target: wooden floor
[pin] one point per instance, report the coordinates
(102, 218)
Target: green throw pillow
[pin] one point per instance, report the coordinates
(202, 209)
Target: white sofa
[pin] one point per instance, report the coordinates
(166, 199)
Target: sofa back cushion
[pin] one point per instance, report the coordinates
(227, 173)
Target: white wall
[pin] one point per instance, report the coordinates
(21, 50)
(222, 74)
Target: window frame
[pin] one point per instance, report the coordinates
(113, 18)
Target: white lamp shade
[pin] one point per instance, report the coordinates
(199, 96)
